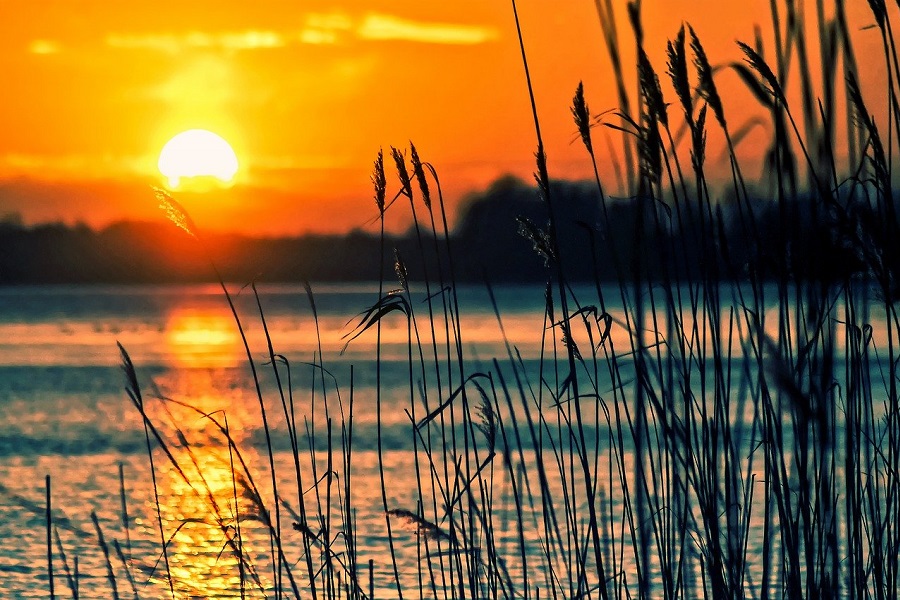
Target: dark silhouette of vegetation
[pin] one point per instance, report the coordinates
(494, 239)
(680, 435)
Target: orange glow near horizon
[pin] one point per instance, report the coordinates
(307, 96)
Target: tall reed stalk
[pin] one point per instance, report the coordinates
(720, 419)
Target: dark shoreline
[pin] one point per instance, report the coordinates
(497, 238)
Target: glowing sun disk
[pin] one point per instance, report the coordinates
(197, 153)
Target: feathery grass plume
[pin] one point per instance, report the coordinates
(582, 115)
(542, 176)
(678, 73)
(488, 420)
(698, 139)
(538, 237)
(650, 89)
(760, 91)
(379, 181)
(487, 416)
(706, 87)
(649, 144)
(419, 172)
(175, 212)
(650, 151)
(423, 527)
(756, 62)
(401, 270)
(402, 173)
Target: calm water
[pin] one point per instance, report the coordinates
(65, 413)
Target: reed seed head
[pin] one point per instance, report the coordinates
(423, 527)
(650, 150)
(650, 89)
(401, 270)
(582, 115)
(175, 212)
(539, 238)
(542, 176)
(379, 181)
(402, 172)
(678, 73)
(706, 87)
(419, 172)
(488, 422)
(759, 65)
(698, 139)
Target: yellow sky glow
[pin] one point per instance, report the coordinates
(306, 94)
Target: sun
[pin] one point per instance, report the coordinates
(197, 153)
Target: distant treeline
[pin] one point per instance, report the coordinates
(500, 235)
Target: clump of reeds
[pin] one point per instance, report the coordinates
(723, 425)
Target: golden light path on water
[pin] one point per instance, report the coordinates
(203, 337)
(72, 423)
(202, 376)
(206, 503)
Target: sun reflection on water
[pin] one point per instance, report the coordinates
(203, 338)
(211, 512)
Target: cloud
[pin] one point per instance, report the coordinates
(329, 21)
(44, 47)
(387, 27)
(318, 36)
(325, 28)
(318, 29)
(174, 43)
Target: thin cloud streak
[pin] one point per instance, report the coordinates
(319, 28)
(173, 44)
(387, 27)
(44, 47)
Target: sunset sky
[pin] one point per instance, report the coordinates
(306, 93)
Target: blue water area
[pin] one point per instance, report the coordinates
(65, 410)
(188, 448)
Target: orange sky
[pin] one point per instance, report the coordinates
(306, 93)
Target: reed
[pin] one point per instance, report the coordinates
(101, 541)
(720, 420)
(49, 520)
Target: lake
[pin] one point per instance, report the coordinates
(65, 413)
